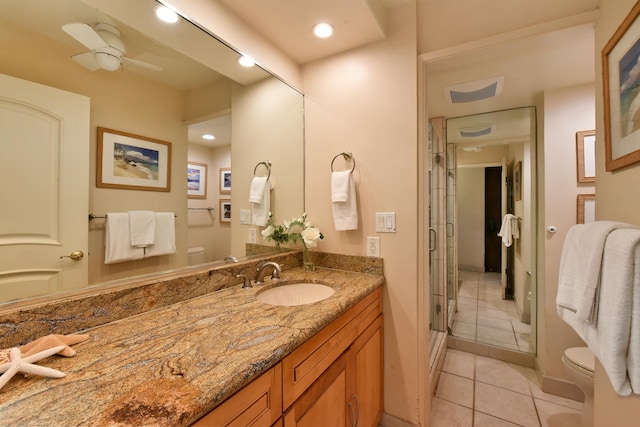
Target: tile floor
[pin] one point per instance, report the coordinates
(478, 391)
(483, 316)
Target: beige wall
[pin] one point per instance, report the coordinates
(364, 101)
(204, 227)
(566, 111)
(470, 192)
(613, 203)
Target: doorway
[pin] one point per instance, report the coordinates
(492, 219)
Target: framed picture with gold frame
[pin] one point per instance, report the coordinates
(586, 156)
(621, 89)
(586, 208)
(132, 162)
(225, 210)
(196, 180)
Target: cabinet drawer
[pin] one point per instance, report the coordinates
(305, 364)
(257, 404)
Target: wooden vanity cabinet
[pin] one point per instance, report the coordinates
(258, 404)
(333, 379)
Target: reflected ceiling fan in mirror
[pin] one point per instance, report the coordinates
(106, 46)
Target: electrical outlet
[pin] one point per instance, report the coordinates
(253, 235)
(373, 247)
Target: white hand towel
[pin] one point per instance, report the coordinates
(580, 265)
(615, 339)
(340, 182)
(509, 229)
(118, 240)
(260, 198)
(345, 213)
(143, 228)
(165, 232)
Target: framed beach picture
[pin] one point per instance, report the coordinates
(225, 210)
(225, 180)
(586, 208)
(586, 155)
(196, 180)
(132, 162)
(621, 87)
(517, 181)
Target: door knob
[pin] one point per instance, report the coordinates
(75, 255)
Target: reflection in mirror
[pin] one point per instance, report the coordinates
(494, 177)
(175, 80)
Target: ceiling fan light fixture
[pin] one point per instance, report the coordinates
(107, 61)
(323, 30)
(166, 15)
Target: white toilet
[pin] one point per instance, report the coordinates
(196, 255)
(579, 363)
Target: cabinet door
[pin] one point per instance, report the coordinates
(325, 402)
(366, 375)
(259, 404)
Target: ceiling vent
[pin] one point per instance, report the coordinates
(476, 131)
(474, 91)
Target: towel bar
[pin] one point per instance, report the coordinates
(347, 156)
(92, 216)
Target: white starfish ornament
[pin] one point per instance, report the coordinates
(18, 364)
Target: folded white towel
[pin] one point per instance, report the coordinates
(345, 213)
(615, 339)
(257, 189)
(260, 198)
(118, 240)
(143, 228)
(165, 235)
(509, 230)
(580, 264)
(340, 182)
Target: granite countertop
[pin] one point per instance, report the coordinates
(172, 365)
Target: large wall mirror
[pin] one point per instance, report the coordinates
(178, 83)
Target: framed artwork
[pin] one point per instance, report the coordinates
(586, 155)
(225, 180)
(621, 87)
(517, 181)
(132, 162)
(586, 208)
(225, 210)
(196, 180)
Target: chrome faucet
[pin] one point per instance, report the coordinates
(261, 271)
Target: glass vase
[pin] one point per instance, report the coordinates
(307, 260)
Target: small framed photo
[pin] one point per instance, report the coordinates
(225, 180)
(517, 181)
(225, 210)
(196, 180)
(586, 208)
(586, 155)
(132, 162)
(621, 87)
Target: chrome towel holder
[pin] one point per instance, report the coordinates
(347, 156)
(267, 164)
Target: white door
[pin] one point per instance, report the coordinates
(44, 189)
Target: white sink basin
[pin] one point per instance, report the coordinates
(295, 294)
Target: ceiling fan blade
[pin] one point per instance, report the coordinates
(85, 35)
(142, 64)
(87, 60)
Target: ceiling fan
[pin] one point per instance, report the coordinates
(107, 49)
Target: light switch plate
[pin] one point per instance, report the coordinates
(245, 217)
(385, 222)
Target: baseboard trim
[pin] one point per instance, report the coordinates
(562, 388)
(512, 356)
(391, 421)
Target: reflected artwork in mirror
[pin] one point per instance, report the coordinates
(169, 82)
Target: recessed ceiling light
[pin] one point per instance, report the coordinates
(246, 61)
(166, 15)
(208, 136)
(323, 30)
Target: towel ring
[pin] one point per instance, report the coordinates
(267, 165)
(347, 156)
